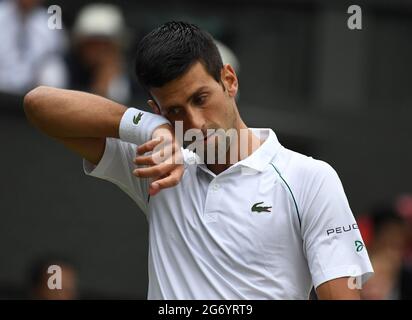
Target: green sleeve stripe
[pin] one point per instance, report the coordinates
(293, 197)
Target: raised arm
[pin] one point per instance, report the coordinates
(83, 121)
(80, 120)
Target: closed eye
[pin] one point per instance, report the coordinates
(199, 100)
(173, 111)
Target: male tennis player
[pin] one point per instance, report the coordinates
(269, 225)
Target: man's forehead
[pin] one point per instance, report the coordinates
(180, 89)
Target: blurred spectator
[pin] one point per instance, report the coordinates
(388, 239)
(228, 56)
(39, 277)
(403, 205)
(97, 64)
(30, 52)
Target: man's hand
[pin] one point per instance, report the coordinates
(164, 164)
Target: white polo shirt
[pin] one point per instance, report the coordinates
(269, 227)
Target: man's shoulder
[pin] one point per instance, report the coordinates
(307, 178)
(300, 168)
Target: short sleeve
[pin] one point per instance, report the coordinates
(116, 166)
(332, 242)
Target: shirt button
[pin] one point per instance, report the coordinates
(216, 187)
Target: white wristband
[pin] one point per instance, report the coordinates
(137, 126)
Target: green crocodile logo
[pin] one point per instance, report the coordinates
(257, 208)
(137, 118)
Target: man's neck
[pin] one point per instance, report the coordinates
(253, 143)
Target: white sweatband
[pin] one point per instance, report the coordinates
(137, 126)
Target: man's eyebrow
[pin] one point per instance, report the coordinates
(196, 93)
(188, 99)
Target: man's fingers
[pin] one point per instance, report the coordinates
(153, 189)
(170, 181)
(148, 146)
(170, 154)
(165, 164)
(144, 160)
(157, 157)
(154, 171)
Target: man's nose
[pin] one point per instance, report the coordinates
(194, 119)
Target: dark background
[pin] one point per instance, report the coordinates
(339, 95)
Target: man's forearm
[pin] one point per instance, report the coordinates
(72, 114)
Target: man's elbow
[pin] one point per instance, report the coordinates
(34, 103)
(32, 98)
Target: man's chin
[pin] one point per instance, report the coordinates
(211, 156)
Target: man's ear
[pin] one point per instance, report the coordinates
(229, 79)
(152, 104)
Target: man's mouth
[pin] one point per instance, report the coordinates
(207, 136)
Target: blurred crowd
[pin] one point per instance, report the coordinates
(89, 58)
(387, 232)
(92, 57)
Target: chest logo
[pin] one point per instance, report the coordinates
(258, 208)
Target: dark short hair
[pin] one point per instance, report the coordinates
(168, 51)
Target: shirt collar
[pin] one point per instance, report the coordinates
(263, 155)
(260, 158)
